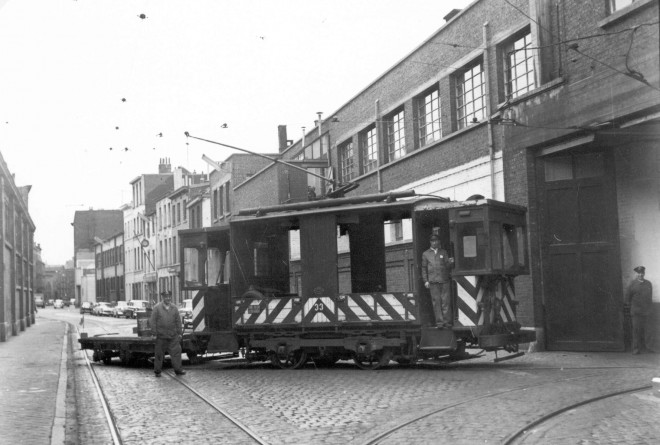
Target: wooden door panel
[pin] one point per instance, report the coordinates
(563, 303)
(581, 276)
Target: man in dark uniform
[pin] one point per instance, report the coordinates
(166, 326)
(436, 265)
(639, 296)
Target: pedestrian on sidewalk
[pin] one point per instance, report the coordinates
(639, 296)
(436, 266)
(166, 326)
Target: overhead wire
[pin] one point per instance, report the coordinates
(594, 59)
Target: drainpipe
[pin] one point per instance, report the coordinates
(491, 144)
(378, 138)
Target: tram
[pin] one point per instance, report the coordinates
(339, 279)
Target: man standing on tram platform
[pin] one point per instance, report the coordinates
(436, 266)
(639, 296)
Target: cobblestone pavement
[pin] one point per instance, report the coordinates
(464, 403)
(475, 401)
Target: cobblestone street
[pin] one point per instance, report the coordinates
(470, 402)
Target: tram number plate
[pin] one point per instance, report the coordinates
(254, 309)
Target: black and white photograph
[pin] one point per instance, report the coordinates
(296, 222)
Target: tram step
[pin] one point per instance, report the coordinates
(437, 340)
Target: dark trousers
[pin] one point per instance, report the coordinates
(641, 333)
(441, 302)
(171, 346)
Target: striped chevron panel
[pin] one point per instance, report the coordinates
(473, 290)
(199, 324)
(395, 306)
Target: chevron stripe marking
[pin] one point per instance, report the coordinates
(363, 306)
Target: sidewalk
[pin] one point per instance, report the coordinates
(33, 384)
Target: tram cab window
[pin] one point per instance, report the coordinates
(204, 267)
(215, 260)
(193, 266)
(489, 238)
(472, 244)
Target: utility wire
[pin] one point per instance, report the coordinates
(638, 76)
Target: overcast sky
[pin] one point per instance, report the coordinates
(87, 86)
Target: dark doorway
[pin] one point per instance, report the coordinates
(580, 251)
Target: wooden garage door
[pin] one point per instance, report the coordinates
(581, 274)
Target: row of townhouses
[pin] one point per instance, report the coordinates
(551, 105)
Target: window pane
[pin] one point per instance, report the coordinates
(469, 96)
(558, 168)
(396, 140)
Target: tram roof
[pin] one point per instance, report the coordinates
(403, 205)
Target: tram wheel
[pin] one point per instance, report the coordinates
(374, 360)
(292, 360)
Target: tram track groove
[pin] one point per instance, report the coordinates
(518, 436)
(114, 424)
(386, 434)
(222, 411)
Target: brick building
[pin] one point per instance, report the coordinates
(551, 105)
(17, 261)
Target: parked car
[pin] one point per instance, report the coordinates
(58, 304)
(135, 306)
(86, 306)
(119, 308)
(50, 302)
(72, 302)
(39, 300)
(102, 308)
(186, 311)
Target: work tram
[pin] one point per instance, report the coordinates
(340, 279)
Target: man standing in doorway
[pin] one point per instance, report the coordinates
(436, 265)
(166, 326)
(639, 296)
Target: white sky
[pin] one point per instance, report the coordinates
(190, 66)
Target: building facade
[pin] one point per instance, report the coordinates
(550, 105)
(109, 269)
(17, 286)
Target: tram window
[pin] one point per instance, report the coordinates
(473, 242)
(193, 272)
(214, 258)
(509, 241)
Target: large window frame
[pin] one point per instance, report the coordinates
(518, 64)
(470, 94)
(346, 161)
(429, 120)
(395, 135)
(368, 145)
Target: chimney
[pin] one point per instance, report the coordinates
(164, 166)
(281, 136)
(451, 14)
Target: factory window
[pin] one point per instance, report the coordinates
(346, 161)
(519, 73)
(396, 137)
(470, 95)
(428, 118)
(615, 5)
(369, 149)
